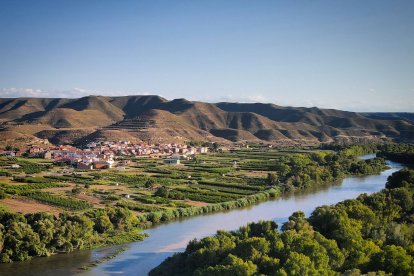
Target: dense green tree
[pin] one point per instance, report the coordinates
(373, 235)
(231, 266)
(299, 264)
(394, 259)
(402, 178)
(41, 234)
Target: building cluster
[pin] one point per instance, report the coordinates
(101, 155)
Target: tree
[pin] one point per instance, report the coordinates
(232, 266)
(401, 178)
(272, 179)
(103, 224)
(394, 259)
(162, 192)
(299, 264)
(252, 249)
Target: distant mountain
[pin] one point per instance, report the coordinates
(391, 115)
(153, 118)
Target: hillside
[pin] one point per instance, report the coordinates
(391, 115)
(155, 119)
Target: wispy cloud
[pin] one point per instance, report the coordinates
(240, 99)
(13, 92)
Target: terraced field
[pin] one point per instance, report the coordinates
(158, 192)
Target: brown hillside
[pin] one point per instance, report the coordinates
(153, 118)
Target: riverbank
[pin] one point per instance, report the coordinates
(334, 239)
(166, 239)
(117, 225)
(370, 165)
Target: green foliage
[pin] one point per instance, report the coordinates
(167, 215)
(307, 170)
(393, 259)
(233, 185)
(402, 178)
(42, 234)
(272, 179)
(31, 167)
(64, 202)
(403, 153)
(78, 179)
(202, 195)
(162, 192)
(260, 249)
(13, 189)
(3, 194)
(5, 173)
(138, 206)
(371, 234)
(133, 180)
(113, 197)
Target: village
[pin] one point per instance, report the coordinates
(104, 154)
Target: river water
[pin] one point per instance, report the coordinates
(168, 238)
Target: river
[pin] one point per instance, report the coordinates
(166, 239)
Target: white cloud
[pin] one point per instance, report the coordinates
(77, 92)
(240, 99)
(22, 92)
(14, 92)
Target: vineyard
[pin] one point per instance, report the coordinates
(66, 203)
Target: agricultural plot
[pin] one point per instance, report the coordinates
(147, 186)
(208, 182)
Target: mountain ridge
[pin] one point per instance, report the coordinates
(156, 119)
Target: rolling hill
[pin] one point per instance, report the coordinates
(155, 119)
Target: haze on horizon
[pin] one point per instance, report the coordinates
(351, 55)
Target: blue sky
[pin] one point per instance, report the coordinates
(352, 55)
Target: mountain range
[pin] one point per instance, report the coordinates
(155, 119)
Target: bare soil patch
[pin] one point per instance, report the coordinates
(25, 206)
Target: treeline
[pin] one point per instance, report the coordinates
(146, 220)
(371, 234)
(43, 234)
(292, 172)
(397, 152)
(403, 153)
(301, 171)
(357, 149)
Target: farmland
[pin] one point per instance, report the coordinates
(148, 185)
(103, 206)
